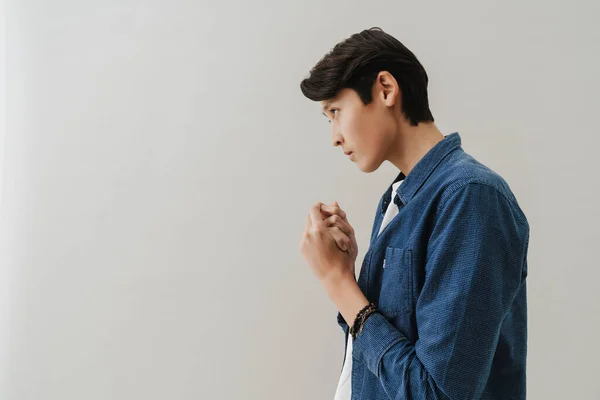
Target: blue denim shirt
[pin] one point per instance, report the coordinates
(452, 320)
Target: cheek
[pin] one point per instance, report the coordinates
(355, 129)
(375, 144)
(385, 141)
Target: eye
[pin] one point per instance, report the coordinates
(332, 111)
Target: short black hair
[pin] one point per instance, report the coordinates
(355, 63)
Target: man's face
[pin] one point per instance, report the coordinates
(366, 130)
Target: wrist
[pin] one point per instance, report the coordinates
(345, 293)
(339, 281)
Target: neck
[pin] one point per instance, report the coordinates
(412, 143)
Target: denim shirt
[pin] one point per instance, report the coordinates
(452, 319)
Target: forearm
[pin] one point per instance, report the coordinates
(382, 347)
(391, 357)
(345, 293)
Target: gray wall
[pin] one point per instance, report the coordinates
(159, 162)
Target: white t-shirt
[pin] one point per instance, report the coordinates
(344, 388)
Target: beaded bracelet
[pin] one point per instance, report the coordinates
(361, 318)
(364, 318)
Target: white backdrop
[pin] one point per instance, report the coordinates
(160, 160)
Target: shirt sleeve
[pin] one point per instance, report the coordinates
(474, 268)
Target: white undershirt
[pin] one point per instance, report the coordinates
(344, 387)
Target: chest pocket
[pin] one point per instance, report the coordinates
(396, 293)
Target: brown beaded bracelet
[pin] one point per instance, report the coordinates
(364, 318)
(361, 318)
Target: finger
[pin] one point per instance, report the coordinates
(315, 216)
(336, 220)
(333, 209)
(343, 223)
(329, 210)
(342, 212)
(324, 214)
(342, 241)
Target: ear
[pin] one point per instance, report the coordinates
(389, 89)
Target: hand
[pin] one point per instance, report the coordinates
(320, 249)
(341, 230)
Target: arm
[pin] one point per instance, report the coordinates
(474, 269)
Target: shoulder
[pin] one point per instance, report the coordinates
(466, 178)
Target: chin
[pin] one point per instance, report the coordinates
(368, 167)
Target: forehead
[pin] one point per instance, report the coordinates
(341, 96)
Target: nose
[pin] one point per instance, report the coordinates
(336, 136)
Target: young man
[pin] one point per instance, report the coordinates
(447, 258)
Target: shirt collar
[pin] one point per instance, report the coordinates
(421, 171)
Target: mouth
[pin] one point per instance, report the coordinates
(348, 153)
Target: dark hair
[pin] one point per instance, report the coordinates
(355, 63)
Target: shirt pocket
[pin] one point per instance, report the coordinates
(396, 293)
